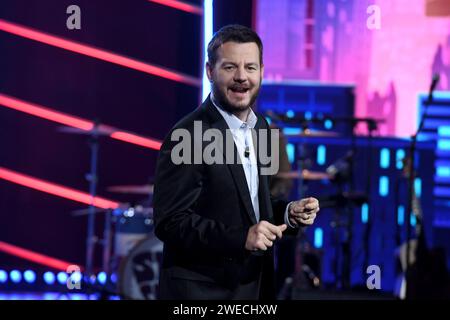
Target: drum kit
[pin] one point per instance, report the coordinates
(136, 252)
(131, 252)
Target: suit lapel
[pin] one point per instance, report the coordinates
(236, 169)
(265, 207)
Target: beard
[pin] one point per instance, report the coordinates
(227, 105)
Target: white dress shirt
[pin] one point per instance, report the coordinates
(242, 136)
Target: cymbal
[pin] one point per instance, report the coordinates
(86, 211)
(124, 210)
(101, 131)
(306, 175)
(313, 133)
(132, 189)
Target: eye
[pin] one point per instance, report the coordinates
(229, 68)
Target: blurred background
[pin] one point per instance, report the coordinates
(89, 89)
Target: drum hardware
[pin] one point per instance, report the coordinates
(146, 189)
(306, 175)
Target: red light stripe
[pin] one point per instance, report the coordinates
(97, 53)
(46, 113)
(42, 112)
(34, 257)
(132, 138)
(180, 6)
(56, 189)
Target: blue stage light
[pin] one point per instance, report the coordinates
(318, 238)
(290, 149)
(62, 277)
(365, 213)
(49, 278)
(321, 154)
(384, 186)
(308, 115)
(76, 277)
(101, 277)
(385, 158)
(29, 276)
(114, 278)
(399, 156)
(3, 276)
(400, 215)
(15, 276)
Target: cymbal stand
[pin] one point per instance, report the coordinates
(91, 239)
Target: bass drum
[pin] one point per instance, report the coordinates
(139, 271)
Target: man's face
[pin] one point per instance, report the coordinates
(236, 76)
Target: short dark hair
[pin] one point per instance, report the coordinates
(233, 33)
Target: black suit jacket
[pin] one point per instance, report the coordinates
(203, 213)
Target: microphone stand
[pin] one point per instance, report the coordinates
(411, 173)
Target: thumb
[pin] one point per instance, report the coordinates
(282, 227)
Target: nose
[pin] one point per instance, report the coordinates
(240, 75)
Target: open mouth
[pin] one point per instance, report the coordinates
(241, 90)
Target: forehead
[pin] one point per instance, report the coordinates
(238, 52)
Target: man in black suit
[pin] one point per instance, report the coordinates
(216, 217)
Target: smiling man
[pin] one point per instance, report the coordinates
(218, 221)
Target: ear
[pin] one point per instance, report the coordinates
(262, 71)
(209, 70)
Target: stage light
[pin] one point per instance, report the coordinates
(288, 131)
(135, 139)
(290, 150)
(62, 277)
(114, 278)
(92, 279)
(399, 156)
(93, 52)
(400, 215)
(321, 155)
(3, 276)
(76, 122)
(318, 238)
(444, 131)
(57, 190)
(29, 276)
(413, 220)
(49, 278)
(183, 6)
(308, 115)
(290, 113)
(207, 36)
(101, 277)
(385, 158)
(418, 187)
(328, 124)
(443, 192)
(76, 277)
(444, 144)
(15, 276)
(364, 213)
(384, 186)
(443, 172)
